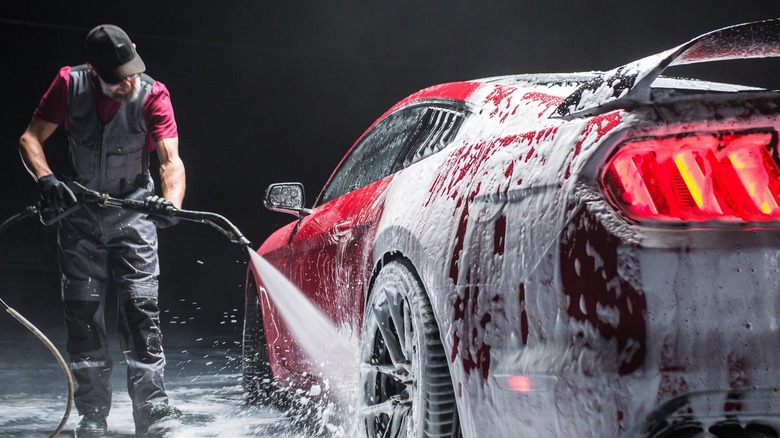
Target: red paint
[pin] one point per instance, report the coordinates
(547, 100)
(509, 170)
(592, 288)
(501, 100)
(458, 172)
(474, 353)
(329, 258)
(499, 236)
(462, 166)
(457, 251)
(523, 315)
(671, 386)
(602, 125)
(455, 90)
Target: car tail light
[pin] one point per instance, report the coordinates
(697, 177)
(526, 383)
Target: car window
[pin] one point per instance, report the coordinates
(437, 129)
(397, 141)
(376, 154)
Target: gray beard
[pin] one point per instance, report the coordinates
(135, 90)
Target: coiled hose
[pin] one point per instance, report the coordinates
(28, 212)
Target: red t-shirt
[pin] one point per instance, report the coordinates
(157, 109)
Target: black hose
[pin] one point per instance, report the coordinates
(28, 212)
(57, 356)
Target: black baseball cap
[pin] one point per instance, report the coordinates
(111, 53)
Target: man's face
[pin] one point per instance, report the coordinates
(126, 90)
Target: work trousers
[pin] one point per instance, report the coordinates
(97, 244)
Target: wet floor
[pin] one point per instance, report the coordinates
(202, 377)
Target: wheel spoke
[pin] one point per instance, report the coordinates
(400, 316)
(389, 417)
(399, 372)
(382, 314)
(398, 421)
(398, 403)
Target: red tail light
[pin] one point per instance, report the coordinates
(697, 177)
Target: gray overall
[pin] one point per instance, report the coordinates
(98, 244)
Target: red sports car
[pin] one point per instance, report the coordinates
(549, 255)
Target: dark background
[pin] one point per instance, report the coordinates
(277, 91)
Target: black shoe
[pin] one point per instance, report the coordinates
(161, 418)
(92, 425)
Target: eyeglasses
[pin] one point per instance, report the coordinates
(130, 78)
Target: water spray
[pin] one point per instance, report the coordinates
(50, 216)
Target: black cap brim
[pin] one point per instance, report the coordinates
(115, 75)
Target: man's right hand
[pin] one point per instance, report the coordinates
(56, 194)
(161, 209)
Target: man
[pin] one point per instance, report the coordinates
(113, 115)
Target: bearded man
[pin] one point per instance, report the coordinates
(114, 115)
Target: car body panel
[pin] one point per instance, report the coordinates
(533, 273)
(326, 249)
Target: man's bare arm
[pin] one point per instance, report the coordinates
(31, 147)
(172, 175)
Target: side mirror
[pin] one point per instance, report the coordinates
(286, 198)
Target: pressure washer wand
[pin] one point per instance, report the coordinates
(219, 222)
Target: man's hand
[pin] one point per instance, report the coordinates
(161, 209)
(56, 194)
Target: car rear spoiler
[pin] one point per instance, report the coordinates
(630, 83)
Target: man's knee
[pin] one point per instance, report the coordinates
(143, 323)
(83, 331)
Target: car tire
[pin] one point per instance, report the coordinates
(405, 384)
(255, 367)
